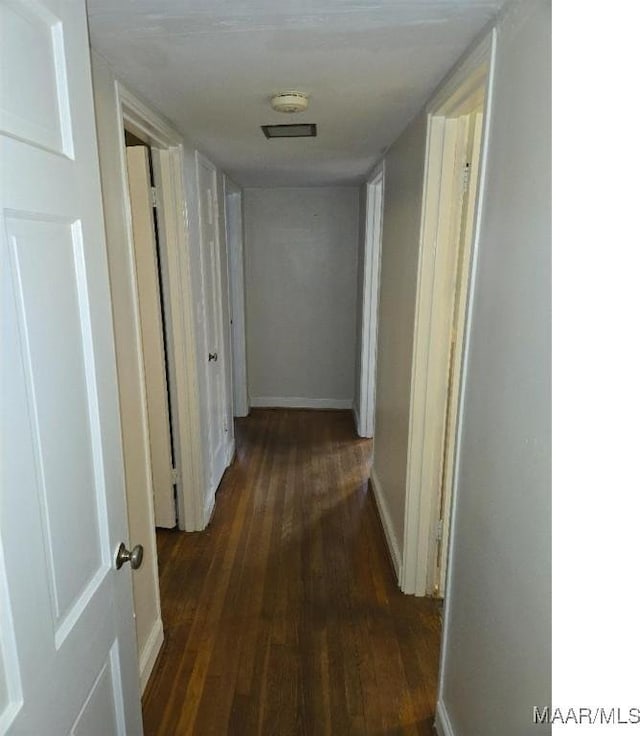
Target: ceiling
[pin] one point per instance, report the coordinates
(211, 67)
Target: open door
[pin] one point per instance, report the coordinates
(67, 641)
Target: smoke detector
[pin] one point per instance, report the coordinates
(290, 102)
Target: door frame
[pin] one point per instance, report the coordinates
(370, 301)
(235, 261)
(150, 288)
(470, 80)
(168, 158)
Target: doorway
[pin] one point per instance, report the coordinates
(148, 510)
(150, 261)
(122, 118)
(365, 418)
(454, 169)
(462, 138)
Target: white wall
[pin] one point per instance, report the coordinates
(404, 175)
(301, 284)
(497, 649)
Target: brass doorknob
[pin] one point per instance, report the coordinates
(134, 556)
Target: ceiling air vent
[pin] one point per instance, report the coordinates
(295, 130)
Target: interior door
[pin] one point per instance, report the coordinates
(153, 348)
(209, 245)
(67, 641)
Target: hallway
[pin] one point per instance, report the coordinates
(284, 616)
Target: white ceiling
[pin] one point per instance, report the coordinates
(211, 67)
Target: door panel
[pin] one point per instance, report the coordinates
(101, 713)
(65, 614)
(46, 263)
(34, 94)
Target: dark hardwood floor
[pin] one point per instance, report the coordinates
(284, 616)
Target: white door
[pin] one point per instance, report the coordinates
(67, 641)
(153, 348)
(216, 401)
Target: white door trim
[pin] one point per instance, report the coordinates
(181, 349)
(370, 298)
(470, 79)
(235, 261)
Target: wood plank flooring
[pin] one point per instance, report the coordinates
(284, 616)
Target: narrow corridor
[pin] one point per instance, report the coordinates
(283, 616)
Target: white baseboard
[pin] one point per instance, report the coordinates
(392, 542)
(443, 723)
(150, 653)
(299, 402)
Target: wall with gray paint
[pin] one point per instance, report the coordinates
(404, 174)
(497, 651)
(301, 285)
